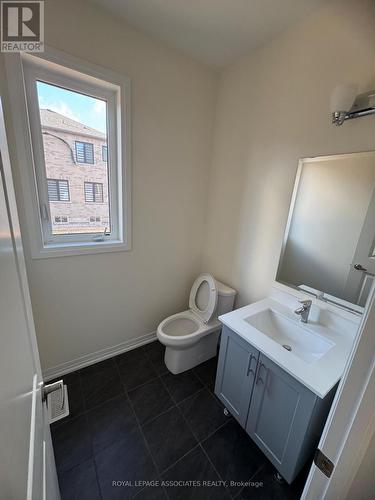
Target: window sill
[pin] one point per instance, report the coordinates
(70, 249)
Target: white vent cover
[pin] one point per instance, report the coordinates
(58, 404)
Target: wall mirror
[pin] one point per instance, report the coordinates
(328, 248)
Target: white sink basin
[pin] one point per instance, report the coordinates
(290, 334)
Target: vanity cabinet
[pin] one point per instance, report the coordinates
(236, 374)
(281, 415)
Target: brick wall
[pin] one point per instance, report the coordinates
(60, 160)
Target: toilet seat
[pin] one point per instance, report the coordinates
(203, 297)
(184, 329)
(180, 325)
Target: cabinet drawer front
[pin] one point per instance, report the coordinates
(235, 374)
(279, 415)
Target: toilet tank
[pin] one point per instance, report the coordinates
(225, 298)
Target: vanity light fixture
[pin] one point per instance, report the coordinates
(346, 104)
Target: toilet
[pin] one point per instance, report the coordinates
(191, 336)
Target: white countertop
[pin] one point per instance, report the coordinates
(321, 375)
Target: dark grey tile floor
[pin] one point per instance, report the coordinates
(137, 431)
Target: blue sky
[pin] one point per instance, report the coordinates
(79, 107)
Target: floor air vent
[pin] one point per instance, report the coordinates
(58, 404)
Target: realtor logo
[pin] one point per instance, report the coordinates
(22, 26)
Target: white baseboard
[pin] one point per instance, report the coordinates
(90, 359)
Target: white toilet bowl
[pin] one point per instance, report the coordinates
(191, 336)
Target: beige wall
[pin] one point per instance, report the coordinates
(85, 303)
(273, 108)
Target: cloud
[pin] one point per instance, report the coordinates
(62, 108)
(100, 107)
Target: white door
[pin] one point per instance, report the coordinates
(362, 270)
(27, 466)
(351, 421)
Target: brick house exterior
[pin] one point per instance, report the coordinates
(77, 212)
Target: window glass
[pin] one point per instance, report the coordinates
(84, 152)
(58, 190)
(93, 192)
(74, 131)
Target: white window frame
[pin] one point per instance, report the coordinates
(69, 72)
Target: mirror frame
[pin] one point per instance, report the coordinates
(342, 303)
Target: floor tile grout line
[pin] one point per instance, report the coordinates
(215, 469)
(140, 426)
(215, 431)
(192, 396)
(188, 424)
(145, 442)
(143, 435)
(140, 385)
(249, 480)
(90, 436)
(199, 445)
(146, 445)
(179, 460)
(159, 377)
(158, 415)
(200, 378)
(92, 449)
(172, 397)
(203, 450)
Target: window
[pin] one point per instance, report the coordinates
(58, 190)
(72, 115)
(84, 152)
(61, 219)
(93, 192)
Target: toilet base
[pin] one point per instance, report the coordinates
(179, 360)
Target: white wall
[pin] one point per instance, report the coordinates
(86, 303)
(273, 108)
(363, 485)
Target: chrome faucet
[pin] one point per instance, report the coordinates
(304, 310)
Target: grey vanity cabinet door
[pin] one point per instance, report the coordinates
(279, 417)
(235, 374)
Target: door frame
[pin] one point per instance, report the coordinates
(45, 468)
(351, 421)
(17, 240)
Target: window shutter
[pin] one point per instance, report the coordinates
(80, 152)
(63, 190)
(53, 193)
(98, 193)
(89, 152)
(89, 191)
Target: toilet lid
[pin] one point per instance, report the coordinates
(203, 296)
